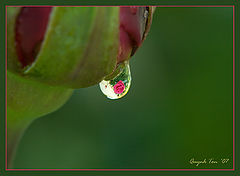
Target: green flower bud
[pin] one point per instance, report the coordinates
(80, 47)
(76, 47)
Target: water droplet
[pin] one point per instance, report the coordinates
(118, 85)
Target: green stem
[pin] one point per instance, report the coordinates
(15, 132)
(28, 100)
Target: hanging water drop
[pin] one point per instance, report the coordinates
(117, 85)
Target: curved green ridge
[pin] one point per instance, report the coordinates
(80, 47)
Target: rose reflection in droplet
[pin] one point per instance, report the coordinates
(119, 87)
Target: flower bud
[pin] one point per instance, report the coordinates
(79, 46)
(73, 47)
(64, 48)
(53, 50)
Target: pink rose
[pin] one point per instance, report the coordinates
(119, 87)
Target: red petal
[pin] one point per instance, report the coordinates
(31, 26)
(130, 36)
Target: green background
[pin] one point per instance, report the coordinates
(179, 105)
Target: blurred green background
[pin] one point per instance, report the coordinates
(179, 105)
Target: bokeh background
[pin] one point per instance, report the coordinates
(179, 105)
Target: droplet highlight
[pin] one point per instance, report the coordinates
(117, 86)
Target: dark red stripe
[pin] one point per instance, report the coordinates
(130, 36)
(31, 26)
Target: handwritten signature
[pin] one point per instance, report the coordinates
(208, 161)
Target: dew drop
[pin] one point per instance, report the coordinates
(118, 86)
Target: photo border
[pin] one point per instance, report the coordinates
(233, 169)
